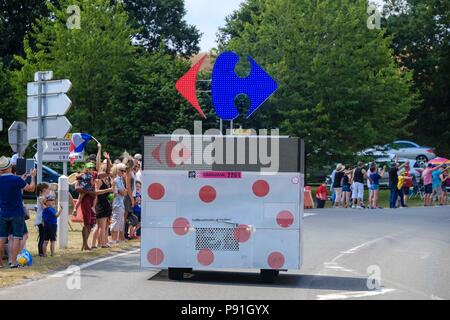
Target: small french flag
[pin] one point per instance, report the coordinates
(77, 144)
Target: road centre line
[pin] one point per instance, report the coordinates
(66, 272)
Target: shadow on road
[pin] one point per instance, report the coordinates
(313, 282)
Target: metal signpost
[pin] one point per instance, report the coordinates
(47, 104)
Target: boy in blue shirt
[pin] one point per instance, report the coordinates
(50, 218)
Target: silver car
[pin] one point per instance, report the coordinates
(403, 149)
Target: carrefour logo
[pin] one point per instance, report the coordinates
(226, 85)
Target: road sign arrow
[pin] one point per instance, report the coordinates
(56, 127)
(50, 87)
(55, 105)
(187, 86)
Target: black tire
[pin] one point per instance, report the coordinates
(178, 273)
(268, 275)
(421, 159)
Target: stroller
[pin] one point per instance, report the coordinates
(418, 190)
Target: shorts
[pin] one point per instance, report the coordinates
(406, 191)
(86, 208)
(346, 188)
(444, 189)
(103, 210)
(25, 228)
(338, 193)
(358, 190)
(428, 188)
(50, 232)
(437, 191)
(118, 219)
(12, 226)
(374, 187)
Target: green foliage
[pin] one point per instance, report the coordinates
(161, 22)
(339, 86)
(421, 41)
(8, 111)
(120, 92)
(16, 18)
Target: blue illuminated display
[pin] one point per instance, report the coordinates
(226, 85)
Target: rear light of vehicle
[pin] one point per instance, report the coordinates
(430, 151)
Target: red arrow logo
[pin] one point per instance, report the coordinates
(186, 86)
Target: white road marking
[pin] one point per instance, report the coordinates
(353, 294)
(66, 272)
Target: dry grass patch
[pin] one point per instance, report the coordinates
(63, 257)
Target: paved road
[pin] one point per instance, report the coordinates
(410, 248)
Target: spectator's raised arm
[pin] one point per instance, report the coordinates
(32, 186)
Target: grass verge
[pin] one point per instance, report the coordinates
(62, 259)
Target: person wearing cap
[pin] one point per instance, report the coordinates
(50, 217)
(12, 214)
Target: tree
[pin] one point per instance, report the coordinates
(339, 86)
(161, 21)
(16, 18)
(119, 91)
(8, 109)
(421, 41)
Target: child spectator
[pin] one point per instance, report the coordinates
(321, 195)
(137, 212)
(43, 191)
(50, 217)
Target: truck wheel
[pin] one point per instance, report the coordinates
(269, 275)
(178, 273)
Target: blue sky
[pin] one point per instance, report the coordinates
(209, 15)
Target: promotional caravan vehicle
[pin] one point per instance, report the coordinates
(237, 213)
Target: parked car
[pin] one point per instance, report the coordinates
(403, 149)
(416, 168)
(49, 176)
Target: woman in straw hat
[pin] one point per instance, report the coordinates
(337, 185)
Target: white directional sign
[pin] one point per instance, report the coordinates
(47, 104)
(58, 150)
(56, 146)
(48, 157)
(51, 87)
(55, 105)
(56, 127)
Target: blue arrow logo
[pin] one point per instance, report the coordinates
(226, 85)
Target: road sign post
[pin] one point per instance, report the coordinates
(46, 106)
(63, 221)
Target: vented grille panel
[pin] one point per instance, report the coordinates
(216, 239)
